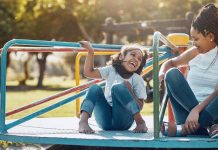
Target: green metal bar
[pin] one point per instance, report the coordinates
(156, 98)
(156, 41)
(163, 108)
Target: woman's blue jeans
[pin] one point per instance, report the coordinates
(183, 100)
(116, 117)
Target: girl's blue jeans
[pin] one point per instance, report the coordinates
(116, 117)
(183, 100)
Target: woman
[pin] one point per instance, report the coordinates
(195, 100)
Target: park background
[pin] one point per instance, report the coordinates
(72, 21)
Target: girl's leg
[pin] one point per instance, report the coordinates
(103, 111)
(94, 100)
(122, 117)
(125, 109)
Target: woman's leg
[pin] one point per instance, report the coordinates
(124, 107)
(210, 114)
(181, 96)
(183, 99)
(96, 101)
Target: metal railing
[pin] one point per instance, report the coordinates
(76, 48)
(157, 38)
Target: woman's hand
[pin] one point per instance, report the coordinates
(87, 45)
(216, 88)
(161, 77)
(191, 124)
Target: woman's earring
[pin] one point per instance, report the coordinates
(211, 40)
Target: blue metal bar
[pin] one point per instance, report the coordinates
(3, 85)
(62, 44)
(3, 127)
(49, 108)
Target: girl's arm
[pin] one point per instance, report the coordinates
(89, 70)
(140, 102)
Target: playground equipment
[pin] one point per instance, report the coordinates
(64, 130)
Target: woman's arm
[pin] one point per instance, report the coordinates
(210, 98)
(191, 123)
(89, 70)
(179, 61)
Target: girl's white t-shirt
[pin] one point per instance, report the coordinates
(112, 77)
(203, 74)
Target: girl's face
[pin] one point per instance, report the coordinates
(132, 60)
(203, 43)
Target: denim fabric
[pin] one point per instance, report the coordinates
(183, 100)
(117, 117)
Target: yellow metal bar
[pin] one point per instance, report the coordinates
(77, 73)
(149, 68)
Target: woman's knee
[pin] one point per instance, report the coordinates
(171, 73)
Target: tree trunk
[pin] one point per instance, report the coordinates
(41, 58)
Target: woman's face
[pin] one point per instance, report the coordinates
(203, 43)
(132, 60)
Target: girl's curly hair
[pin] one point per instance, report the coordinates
(117, 63)
(207, 21)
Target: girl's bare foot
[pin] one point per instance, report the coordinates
(85, 128)
(140, 128)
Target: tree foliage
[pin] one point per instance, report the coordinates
(68, 20)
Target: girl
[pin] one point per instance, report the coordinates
(195, 101)
(120, 105)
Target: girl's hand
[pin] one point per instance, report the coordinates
(191, 124)
(87, 45)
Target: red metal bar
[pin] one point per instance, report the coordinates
(81, 87)
(171, 117)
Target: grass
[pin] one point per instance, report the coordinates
(18, 96)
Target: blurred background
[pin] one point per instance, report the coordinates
(32, 76)
(35, 76)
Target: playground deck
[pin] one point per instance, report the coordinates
(64, 131)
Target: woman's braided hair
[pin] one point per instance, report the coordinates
(207, 21)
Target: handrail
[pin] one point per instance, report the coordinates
(33, 43)
(3, 126)
(156, 41)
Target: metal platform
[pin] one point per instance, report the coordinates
(65, 131)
